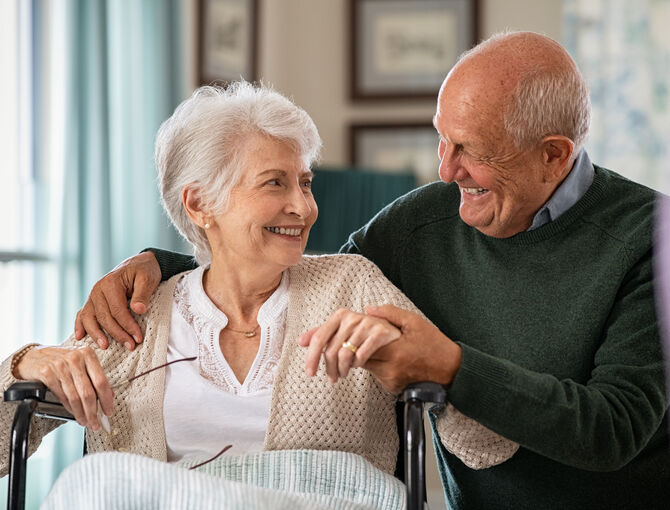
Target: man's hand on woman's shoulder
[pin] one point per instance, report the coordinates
(108, 308)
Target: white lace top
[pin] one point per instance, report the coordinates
(238, 411)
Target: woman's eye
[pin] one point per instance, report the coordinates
(274, 182)
(307, 184)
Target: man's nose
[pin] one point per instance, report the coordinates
(451, 168)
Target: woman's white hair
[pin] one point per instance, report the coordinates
(201, 146)
(547, 100)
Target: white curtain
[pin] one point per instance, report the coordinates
(623, 49)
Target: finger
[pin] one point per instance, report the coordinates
(107, 321)
(55, 387)
(79, 331)
(399, 317)
(305, 339)
(100, 382)
(380, 334)
(345, 358)
(116, 302)
(143, 288)
(319, 339)
(332, 352)
(84, 387)
(70, 394)
(86, 317)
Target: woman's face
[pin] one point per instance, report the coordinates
(270, 211)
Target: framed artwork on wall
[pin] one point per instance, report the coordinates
(227, 40)
(405, 48)
(396, 147)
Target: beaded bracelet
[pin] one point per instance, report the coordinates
(20, 354)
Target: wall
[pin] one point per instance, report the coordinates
(304, 53)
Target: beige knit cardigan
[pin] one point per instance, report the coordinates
(355, 415)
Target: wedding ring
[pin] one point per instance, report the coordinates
(350, 346)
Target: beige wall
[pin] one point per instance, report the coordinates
(303, 52)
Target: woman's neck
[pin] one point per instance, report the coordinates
(239, 294)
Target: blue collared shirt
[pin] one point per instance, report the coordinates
(568, 193)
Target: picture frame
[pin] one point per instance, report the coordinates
(403, 49)
(393, 147)
(227, 41)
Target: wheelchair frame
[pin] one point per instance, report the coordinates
(33, 398)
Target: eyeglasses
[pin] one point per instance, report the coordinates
(104, 421)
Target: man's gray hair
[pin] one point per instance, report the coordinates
(201, 146)
(546, 101)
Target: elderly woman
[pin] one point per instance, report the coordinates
(235, 178)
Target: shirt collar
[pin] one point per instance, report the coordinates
(568, 192)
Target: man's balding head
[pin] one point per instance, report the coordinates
(512, 115)
(532, 84)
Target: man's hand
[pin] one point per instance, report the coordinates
(422, 353)
(107, 305)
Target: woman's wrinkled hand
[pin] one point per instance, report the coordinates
(75, 376)
(362, 333)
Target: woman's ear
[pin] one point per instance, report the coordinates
(557, 157)
(193, 205)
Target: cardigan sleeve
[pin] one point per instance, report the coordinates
(476, 445)
(39, 427)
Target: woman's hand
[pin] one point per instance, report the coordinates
(75, 376)
(363, 335)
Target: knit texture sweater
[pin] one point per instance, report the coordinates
(355, 415)
(560, 343)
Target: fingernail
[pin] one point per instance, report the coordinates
(129, 346)
(137, 339)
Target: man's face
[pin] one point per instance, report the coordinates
(501, 186)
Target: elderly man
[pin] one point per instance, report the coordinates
(534, 265)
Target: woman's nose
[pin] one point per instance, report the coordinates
(298, 203)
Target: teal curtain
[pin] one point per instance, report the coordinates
(347, 199)
(105, 74)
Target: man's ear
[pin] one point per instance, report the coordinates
(557, 157)
(190, 198)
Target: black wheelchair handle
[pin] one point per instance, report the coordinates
(26, 389)
(425, 392)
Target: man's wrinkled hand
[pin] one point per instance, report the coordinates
(422, 353)
(107, 305)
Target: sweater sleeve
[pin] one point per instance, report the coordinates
(477, 446)
(172, 263)
(600, 425)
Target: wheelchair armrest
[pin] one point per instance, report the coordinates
(47, 406)
(425, 392)
(26, 389)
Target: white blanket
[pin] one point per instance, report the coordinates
(290, 479)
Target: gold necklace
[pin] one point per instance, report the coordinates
(248, 334)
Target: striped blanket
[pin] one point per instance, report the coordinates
(289, 479)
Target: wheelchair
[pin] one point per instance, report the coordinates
(33, 398)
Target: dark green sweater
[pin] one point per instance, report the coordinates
(560, 343)
(561, 351)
